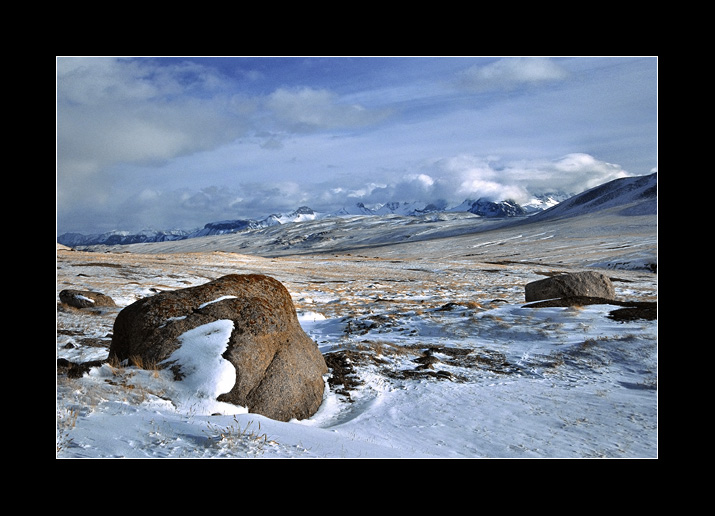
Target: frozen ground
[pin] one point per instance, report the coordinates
(433, 352)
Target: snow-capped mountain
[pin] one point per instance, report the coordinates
(486, 208)
(410, 209)
(359, 226)
(122, 237)
(239, 225)
(221, 227)
(354, 209)
(302, 214)
(407, 209)
(480, 207)
(544, 201)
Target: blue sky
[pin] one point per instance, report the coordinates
(176, 142)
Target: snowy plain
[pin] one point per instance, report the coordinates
(504, 380)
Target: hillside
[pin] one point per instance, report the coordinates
(630, 196)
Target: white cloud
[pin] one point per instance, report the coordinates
(451, 180)
(425, 180)
(572, 173)
(492, 178)
(96, 80)
(139, 142)
(102, 80)
(307, 109)
(114, 111)
(111, 110)
(476, 188)
(511, 72)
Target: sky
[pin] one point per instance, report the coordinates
(177, 142)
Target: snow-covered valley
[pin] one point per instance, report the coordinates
(433, 352)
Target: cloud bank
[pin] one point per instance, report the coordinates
(451, 180)
(472, 177)
(178, 142)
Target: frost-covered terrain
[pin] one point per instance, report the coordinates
(432, 350)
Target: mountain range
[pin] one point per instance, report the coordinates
(639, 193)
(622, 202)
(481, 207)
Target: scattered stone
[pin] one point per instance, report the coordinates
(422, 374)
(449, 307)
(427, 361)
(641, 310)
(85, 299)
(632, 310)
(343, 377)
(76, 370)
(585, 284)
(279, 369)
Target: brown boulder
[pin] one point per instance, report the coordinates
(586, 284)
(85, 299)
(278, 368)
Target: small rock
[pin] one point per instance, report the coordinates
(85, 299)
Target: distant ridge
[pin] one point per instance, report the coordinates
(121, 237)
(480, 207)
(633, 195)
(636, 195)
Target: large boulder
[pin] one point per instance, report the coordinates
(85, 299)
(584, 284)
(278, 368)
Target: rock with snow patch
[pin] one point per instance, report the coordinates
(587, 284)
(85, 299)
(278, 368)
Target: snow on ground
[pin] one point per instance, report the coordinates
(575, 384)
(504, 380)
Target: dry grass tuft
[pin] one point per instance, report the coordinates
(234, 438)
(66, 421)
